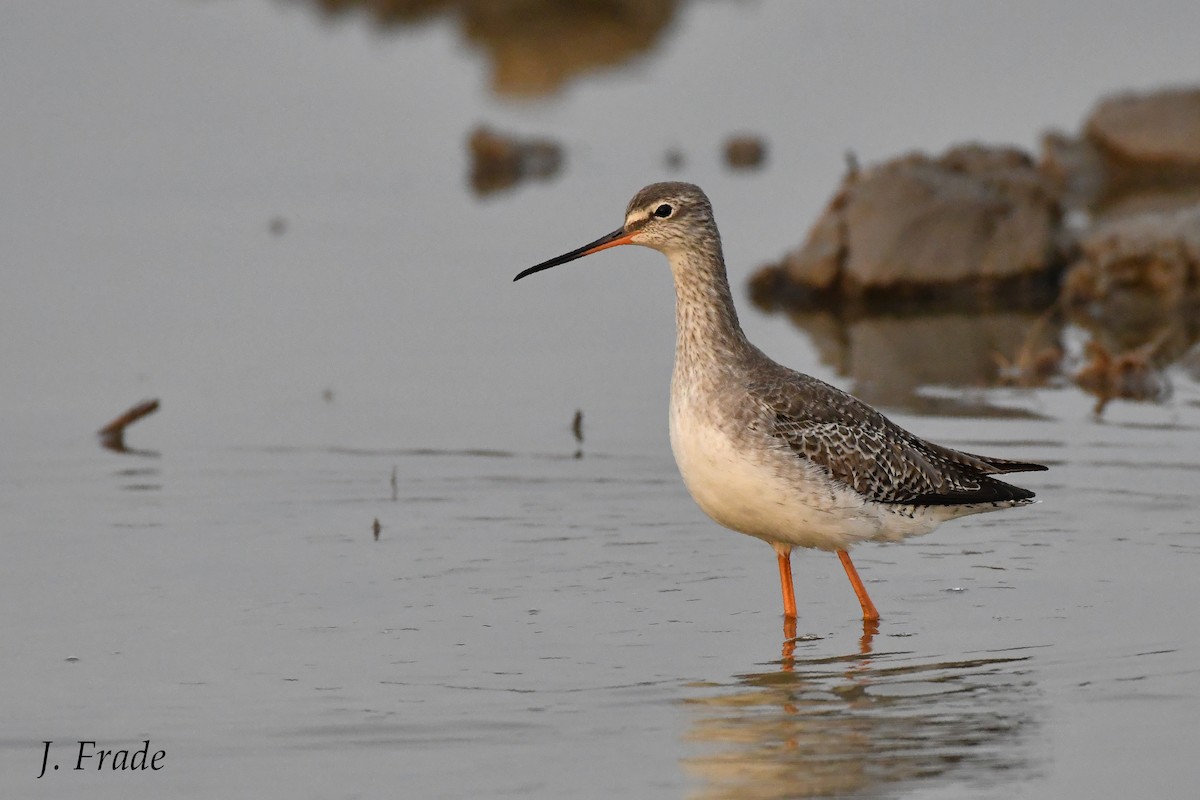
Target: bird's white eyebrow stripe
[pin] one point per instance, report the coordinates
(637, 218)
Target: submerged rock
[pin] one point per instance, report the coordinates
(1131, 375)
(976, 216)
(1136, 289)
(499, 160)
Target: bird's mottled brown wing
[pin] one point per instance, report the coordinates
(877, 458)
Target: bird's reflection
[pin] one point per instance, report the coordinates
(819, 725)
(787, 662)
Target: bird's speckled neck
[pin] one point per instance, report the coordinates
(708, 338)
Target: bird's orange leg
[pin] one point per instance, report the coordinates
(869, 612)
(784, 554)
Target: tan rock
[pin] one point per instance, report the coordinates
(1159, 128)
(1137, 153)
(974, 214)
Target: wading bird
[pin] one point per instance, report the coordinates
(774, 453)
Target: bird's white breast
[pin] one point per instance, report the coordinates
(746, 483)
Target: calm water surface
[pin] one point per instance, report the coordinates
(529, 623)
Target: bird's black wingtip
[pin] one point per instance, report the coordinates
(989, 490)
(1002, 465)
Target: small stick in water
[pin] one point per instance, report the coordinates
(577, 429)
(112, 435)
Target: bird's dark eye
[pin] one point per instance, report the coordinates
(663, 211)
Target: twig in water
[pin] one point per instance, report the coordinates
(577, 429)
(112, 435)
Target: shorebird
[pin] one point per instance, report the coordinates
(774, 453)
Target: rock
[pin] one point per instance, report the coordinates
(1136, 289)
(1137, 153)
(1075, 168)
(745, 152)
(1131, 375)
(499, 160)
(1134, 281)
(1149, 254)
(1155, 130)
(974, 216)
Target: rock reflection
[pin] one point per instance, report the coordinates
(535, 46)
(890, 358)
(832, 725)
(1136, 290)
(1120, 349)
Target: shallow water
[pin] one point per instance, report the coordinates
(530, 623)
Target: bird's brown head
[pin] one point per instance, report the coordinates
(665, 216)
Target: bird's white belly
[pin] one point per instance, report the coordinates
(755, 489)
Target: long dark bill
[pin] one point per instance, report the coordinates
(617, 237)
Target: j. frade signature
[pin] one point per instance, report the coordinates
(116, 760)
